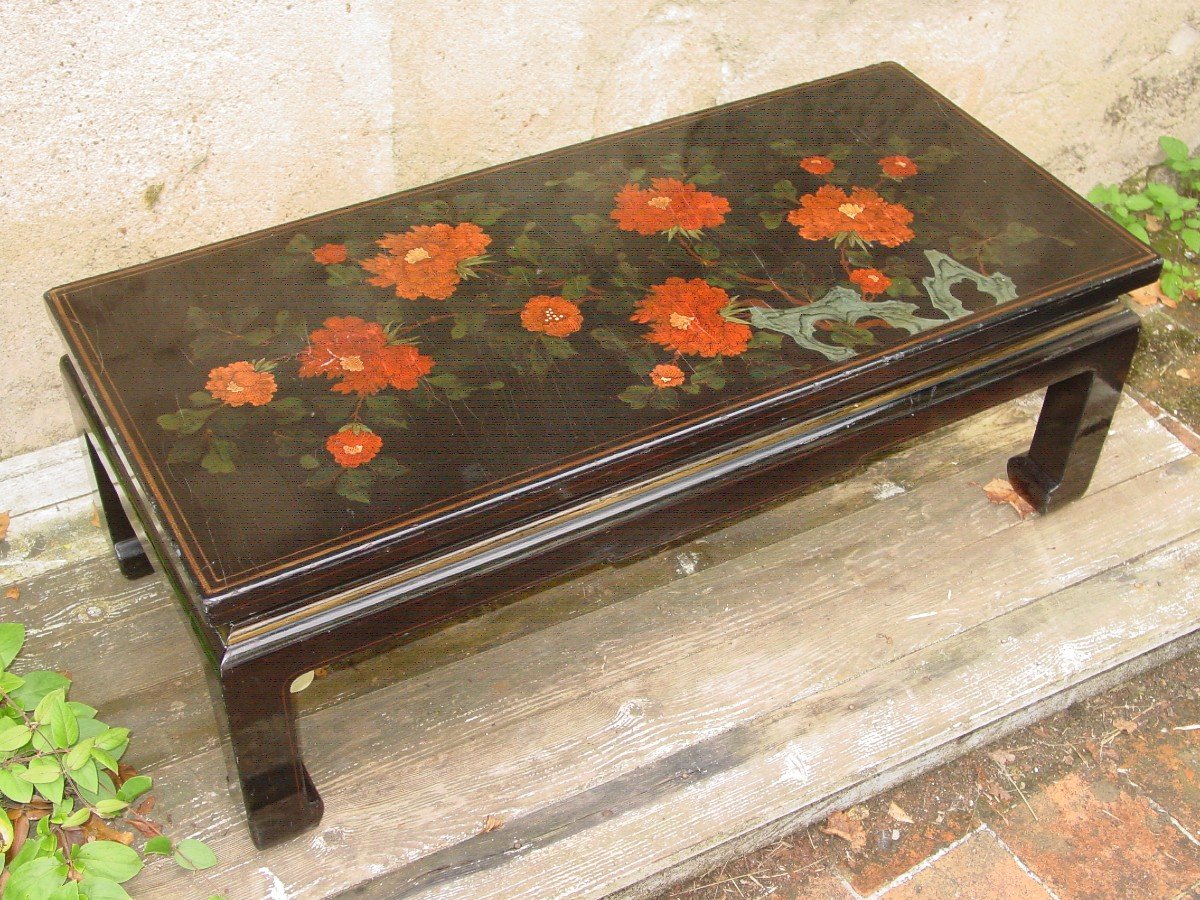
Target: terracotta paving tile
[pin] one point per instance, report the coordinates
(887, 858)
(1167, 768)
(979, 867)
(1094, 838)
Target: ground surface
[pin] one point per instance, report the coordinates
(1101, 800)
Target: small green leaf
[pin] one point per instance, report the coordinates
(79, 754)
(107, 859)
(159, 846)
(37, 685)
(308, 461)
(300, 243)
(14, 736)
(93, 888)
(13, 786)
(134, 788)
(1175, 149)
(87, 776)
(354, 484)
(42, 770)
(53, 790)
(1139, 202)
(36, 879)
(12, 638)
(77, 818)
(637, 395)
(194, 855)
(589, 223)
(784, 190)
(112, 739)
(1191, 237)
(1138, 230)
(110, 807)
(6, 832)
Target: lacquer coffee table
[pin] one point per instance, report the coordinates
(358, 425)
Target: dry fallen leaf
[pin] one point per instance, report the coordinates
(147, 828)
(1002, 757)
(859, 813)
(1125, 725)
(5, 518)
(13, 593)
(1150, 295)
(1000, 491)
(95, 517)
(491, 823)
(1185, 374)
(98, 830)
(1153, 224)
(842, 826)
(897, 813)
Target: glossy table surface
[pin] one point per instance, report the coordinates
(445, 360)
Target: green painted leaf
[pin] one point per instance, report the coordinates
(637, 395)
(194, 855)
(589, 223)
(771, 219)
(219, 458)
(12, 638)
(576, 286)
(300, 243)
(107, 859)
(187, 421)
(387, 467)
(354, 484)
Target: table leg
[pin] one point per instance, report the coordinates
(1073, 424)
(131, 557)
(280, 798)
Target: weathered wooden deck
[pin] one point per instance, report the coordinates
(637, 724)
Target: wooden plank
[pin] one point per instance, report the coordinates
(44, 478)
(136, 626)
(525, 727)
(821, 746)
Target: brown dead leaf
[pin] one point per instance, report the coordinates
(1153, 224)
(13, 593)
(20, 826)
(1125, 725)
(147, 829)
(99, 830)
(146, 806)
(321, 672)
(1150, 295)
(491, 823)
(898, 813)
(124, 773)
(1000, 491)
(1002, 757)
(5, 519)
(842, 826)
(95, 517)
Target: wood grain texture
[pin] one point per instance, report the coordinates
(629, 720)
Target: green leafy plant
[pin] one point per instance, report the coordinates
(1159, 206)
(61, 785)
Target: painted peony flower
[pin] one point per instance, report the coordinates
(666, 375)
(330, 254)
(685, 316)
(669, 203)
(872, 281)
(862, 217)
(898, 167)
(427, 260)
(358, 353)
(817, 165)
(241, 384)
(354, 445)
(551, 315)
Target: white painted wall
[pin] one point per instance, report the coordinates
(244, 113)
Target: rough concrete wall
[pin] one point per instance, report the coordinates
(249, 113)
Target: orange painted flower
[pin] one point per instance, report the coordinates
(862, 216)
(427, 260)
(330, 254)
(554, 316)
(354, 445)
(817, 165)
(898, 167)
(872, 281)
(669, 203)
(358, 353)
(239, 384)
(685, 316)
(666, 375)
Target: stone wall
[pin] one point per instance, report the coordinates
(130, 130)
